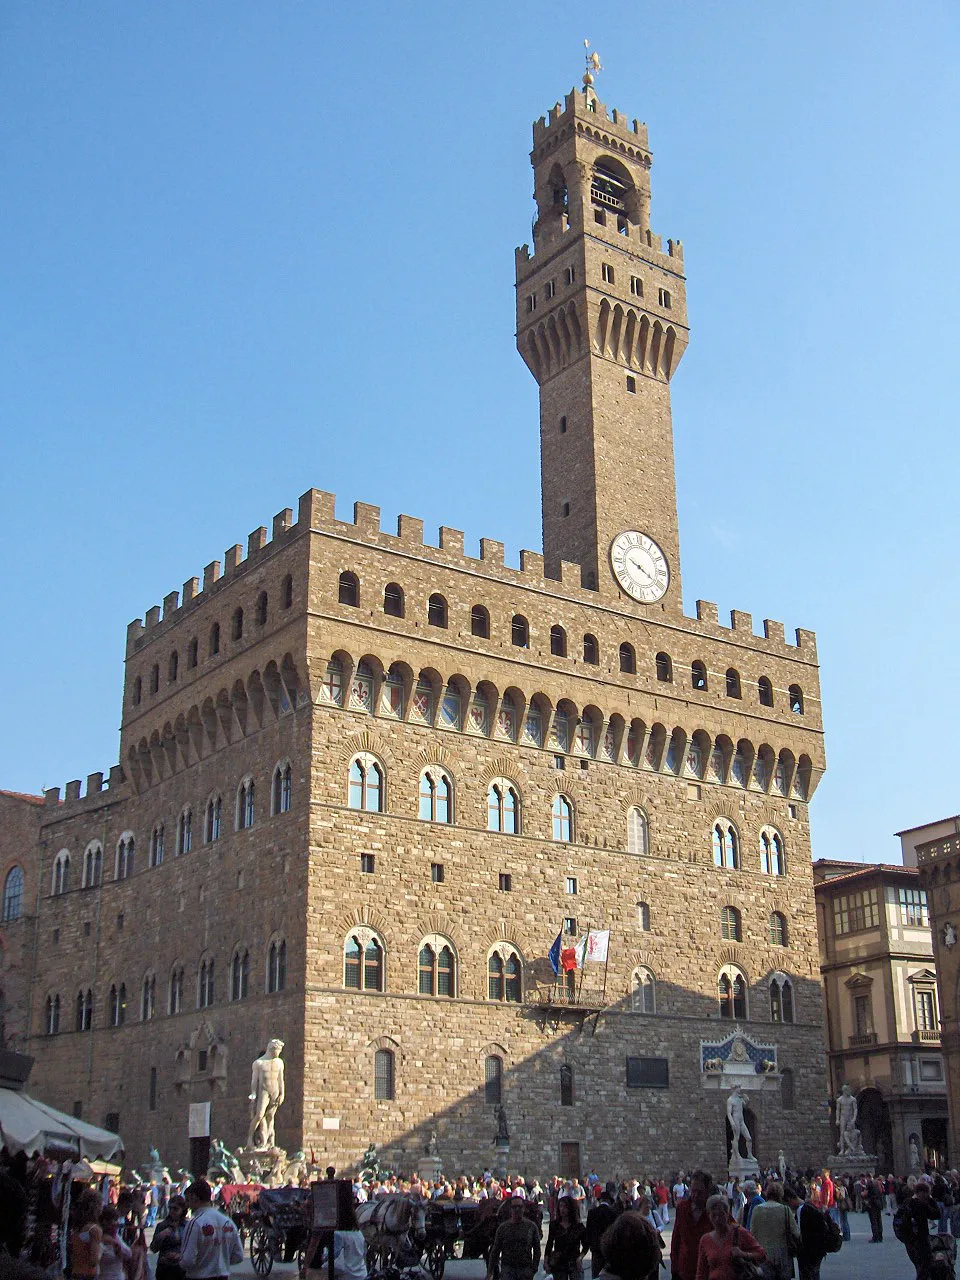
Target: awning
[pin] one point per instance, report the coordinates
(29, 1125)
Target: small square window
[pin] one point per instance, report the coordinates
(86, 928)
(570, 924)
(599, 217)
(665, 299)
(636, 286)
(559, 762)
(506, 882)
(551, 290)
(606, 271)
(623, 227)
(436, 872)
(792, 810)
(570, 274)
(631, 385)
(368, 863)
(584, 764)
(571, 884)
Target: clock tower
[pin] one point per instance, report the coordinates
(602, 324)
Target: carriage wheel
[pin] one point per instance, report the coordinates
(261, 1250)
(436, 1258)
(301, 1261)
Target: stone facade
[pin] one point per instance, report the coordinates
(453, 761)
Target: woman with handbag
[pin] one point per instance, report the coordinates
(775, 1229)
(728, 1252)
(566, 1242)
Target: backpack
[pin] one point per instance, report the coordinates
(904, 1227)
(832, 1235)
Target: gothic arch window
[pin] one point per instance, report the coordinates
(184, 832)
(83, 1020)
(504, 975)
(193, 653)
(628, 659)
(591, 650)
(246, 796)
(214, 640)
(13, 894)
(437, 610)
(206, 984)
(795, 695)
(393, 600)
(384, 1075)
(733, 683)
(236, 624)
(562, 820)
(566, 1085)
(436, 967)
(772, 860)
(61, 873)
(643, 916)
(698, 675)
(52, 1015)
(286, 592)
(276, 966)
(156, 845)
(213, 819)
(480, 622)
(282, 791)
(240, 974)
(664, 665)
(558, 641)
(765, 691)
(262, 609)
(148, 997)
(175, 992)
(117, 1005)
(644, 991)
(778, 929)
(731, 929)
(493, 1080)
(173, 667)
(732, 993)
(137, 691)
(348, 589)
(436, 795)
(365, 790)
(519, 632)
(638, 831)
(363, 961)
(155, 678)
(503, 807)
(781, 998)
(726, 845)
(92, 865)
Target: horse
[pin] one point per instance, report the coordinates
(395, 1228)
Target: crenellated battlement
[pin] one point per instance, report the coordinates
(632, 134)
(78, 798)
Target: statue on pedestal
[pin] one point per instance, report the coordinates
(736, 1101)
(846, 1116)
(266, 1096)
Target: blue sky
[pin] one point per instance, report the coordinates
(253, 247)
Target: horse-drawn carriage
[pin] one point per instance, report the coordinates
(279, 1228)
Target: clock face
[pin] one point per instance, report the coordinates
(639, 566)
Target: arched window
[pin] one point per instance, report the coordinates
(193, 653)
(393, 600)
(778, 929)
(765, 691)
(286, 592)
(61, 873)
(726, 845)
(562, 820)
(591, 650)
(236, 624)
(437, 610)
(184, 832)
(436, 795)
(638, 831)
(13, 894)
(732, 993)
(206, 988)
(240, 975)
(436, 968)
(558, 641)
(733, 683)
(155, 678)
(493, 1080)
(276, 966)
(698, 675)
(795, 695)
(52, 1015)
(628, 659)
(215, 639)
(366, 783)
(175, 995)
(212, 821)
(137, 691)
(520, 632)
(363, 956)
(156, 845)
(566, 1086)
(480, 622)
(384, 1075)
(730, 928)
(504, 970)
(781, 998)
(348, 591)
(92, 866)
(664, 668)
(503, 807)
(643, 916)
(117, 1012)
(644, 996)
(83, 1020)
(246, 797)
(282, 788)
(148, 997)
(772, 861)
(173, 667)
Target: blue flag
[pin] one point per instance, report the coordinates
(553, 954)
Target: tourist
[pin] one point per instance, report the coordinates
(646, 1210)
(813, 1233)
(349, 1253)
(85, 1239)
(600, 1218)
(566, 1242)
(911, 1224)
(690, 1225)
(751, 1198)
(721, 1248)
(211, 1242)
(114, 1253)
(515, 1252)
(168, 1238)
(630, 1249)
(775, 1229)
(873, 1200)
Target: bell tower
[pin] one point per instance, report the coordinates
(602, 324)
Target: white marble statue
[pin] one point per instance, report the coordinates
(847, 1123)
(736, 1102)
(782, 1166)
(266, 1095)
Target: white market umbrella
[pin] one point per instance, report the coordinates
(29, 1125)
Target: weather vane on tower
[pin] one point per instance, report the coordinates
(593, 63)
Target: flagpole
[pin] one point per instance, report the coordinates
(583, 962)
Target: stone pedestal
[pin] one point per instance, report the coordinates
(502, 1146)
(853, 1165)
(744, 1167)
(430, 1169)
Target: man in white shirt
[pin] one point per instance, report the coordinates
(211, 1242)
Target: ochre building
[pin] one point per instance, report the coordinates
(366, 782)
